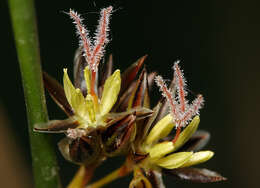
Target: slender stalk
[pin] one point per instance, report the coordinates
(118, 173)
(78, 179)
(82, 177)
(107, 179)
(44, 163)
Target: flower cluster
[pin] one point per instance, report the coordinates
(109, 114)
(162, 151)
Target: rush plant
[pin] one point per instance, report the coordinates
(109, 114)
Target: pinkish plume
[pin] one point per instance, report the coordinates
(93, 52)
(180, 108)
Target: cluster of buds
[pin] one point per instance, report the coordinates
(109, 114)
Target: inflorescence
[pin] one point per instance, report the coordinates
(110, 115)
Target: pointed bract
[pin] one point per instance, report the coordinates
(105, 72)
(56, 126)
(128, 76)
(57, 93)
(196, 175)
(139, 95)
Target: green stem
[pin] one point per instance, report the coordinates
(44, 162)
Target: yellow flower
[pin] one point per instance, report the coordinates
(158, 150)
(90, 111)
(163, 154)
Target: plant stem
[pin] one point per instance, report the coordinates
(118, 173)
(78, 179)
(82, 177)
(107, 179)
(44, 162)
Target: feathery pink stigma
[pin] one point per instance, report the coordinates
(180, 108)
(93, 52)
(167, 94)
(83, 34)
(181, 84)
(101, 37)
(193, 109)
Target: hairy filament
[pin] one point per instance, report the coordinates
(83, 34)
(101, 37)
(181, 84)
(93, 53)
(180, 109)
(193, 109)
(168, 95)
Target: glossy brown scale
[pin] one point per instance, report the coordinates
(81, 149)
(117, 136)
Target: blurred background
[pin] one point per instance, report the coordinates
(218, 43)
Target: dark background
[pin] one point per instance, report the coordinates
(216, 41)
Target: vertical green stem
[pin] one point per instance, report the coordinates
(44, 162)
